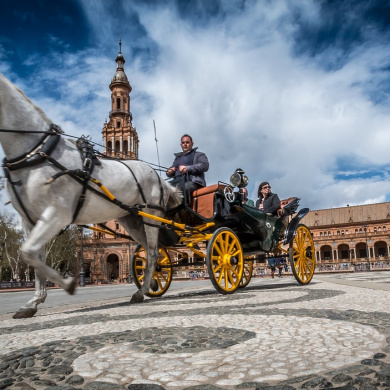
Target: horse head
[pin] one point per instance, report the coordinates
(18, 112)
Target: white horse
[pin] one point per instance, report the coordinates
(46, 209)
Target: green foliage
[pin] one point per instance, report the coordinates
(11, 237)
(61, 251)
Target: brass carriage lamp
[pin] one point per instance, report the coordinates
(238, 179)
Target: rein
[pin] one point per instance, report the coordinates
(41, 152)
(92, 142)
(30, 131)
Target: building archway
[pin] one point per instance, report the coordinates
(112, 267)
(380, 249)
(326, 253)
(343, 251)
(361, 250)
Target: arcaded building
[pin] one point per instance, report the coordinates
(352, 235)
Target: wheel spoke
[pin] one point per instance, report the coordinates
(225, 274)
(230, 276)
(231, 246)
(234, 271)
(159, 282)
(220, 277)
(218, 249)
(224, 242)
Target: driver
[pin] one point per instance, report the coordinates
(190, 162)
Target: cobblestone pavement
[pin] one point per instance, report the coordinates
(273, 334)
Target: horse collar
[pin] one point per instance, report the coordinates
(38, 153)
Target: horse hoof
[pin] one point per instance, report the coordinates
(25, 313)
(138, 297)
(154, 285)
(72, 287)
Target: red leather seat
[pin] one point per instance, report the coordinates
(203, 200)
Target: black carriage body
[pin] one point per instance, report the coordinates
(235, 235)
(257, 231)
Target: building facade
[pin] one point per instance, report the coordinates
(357, 236)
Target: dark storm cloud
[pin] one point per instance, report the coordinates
(294, 92)
(339, 28)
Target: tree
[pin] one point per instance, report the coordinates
(11, 237)
(61, 251)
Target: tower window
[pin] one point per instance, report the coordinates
(125, 147)
(118, 123)
(118, 103)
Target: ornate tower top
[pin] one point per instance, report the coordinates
(120, 75)
(120, 139)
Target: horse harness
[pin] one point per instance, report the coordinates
(42, 152)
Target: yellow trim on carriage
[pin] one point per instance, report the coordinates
(101, 230)
(103, 188)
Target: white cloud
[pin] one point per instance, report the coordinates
(237, 88)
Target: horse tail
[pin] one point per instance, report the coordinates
(175, 196)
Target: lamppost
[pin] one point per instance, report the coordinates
(351, 254)
(129, 262)
(367, 250)
(82, 272)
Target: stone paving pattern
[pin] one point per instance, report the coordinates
(274, 334)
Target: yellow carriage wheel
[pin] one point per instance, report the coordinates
(247, 274)
(162, 276)
(225, 261)
(302, 255)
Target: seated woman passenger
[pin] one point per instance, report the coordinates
(268, 202)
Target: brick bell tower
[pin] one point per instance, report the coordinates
(120, 138)
(107, 257)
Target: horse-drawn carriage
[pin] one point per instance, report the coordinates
(53, 182)
(232, 236)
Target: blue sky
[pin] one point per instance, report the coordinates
(294, 92)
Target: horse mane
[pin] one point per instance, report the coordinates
(175, 196)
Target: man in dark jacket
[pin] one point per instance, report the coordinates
(189, 162)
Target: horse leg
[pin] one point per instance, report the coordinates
(31, 307)
(147, 236)
(152, 256)
(32, 251)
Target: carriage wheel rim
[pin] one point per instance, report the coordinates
(303, 257)
(162, 274)
(247, 273)
(227, 260)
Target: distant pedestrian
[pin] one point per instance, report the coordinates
(272, 265)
